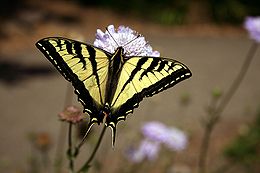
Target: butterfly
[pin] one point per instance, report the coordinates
(110, 85)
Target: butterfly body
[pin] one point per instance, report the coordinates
(110, 85)
(115, 67)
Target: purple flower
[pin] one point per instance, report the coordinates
(147, 150)
(176, 140)
(173, 138)
(155, 134)
(133, 43)
(252, 25)
(155, 131)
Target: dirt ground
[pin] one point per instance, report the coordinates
(32, 92)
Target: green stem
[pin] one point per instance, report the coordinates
(236, 83)
(206, 136)
(45, 160)
(70, 155)
(216, 114)
(204, 148)
(87, 164)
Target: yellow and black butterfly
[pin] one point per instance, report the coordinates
(110, 85)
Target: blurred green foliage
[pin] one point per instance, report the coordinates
(233, 11)
(245, 149)
(176, 11)
(163, 11)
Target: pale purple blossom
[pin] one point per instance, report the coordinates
(155, 131)
(156, 134)
(176, 140)
(252, 25)
(133, 43)
(172, 137)
(147, 150)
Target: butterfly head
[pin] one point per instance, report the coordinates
(120, 50)
(107, 109)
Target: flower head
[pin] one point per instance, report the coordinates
(155, 135)
(155, 131)
(41, 141)
(71, 114)
(176, 140)
(173, 138)
(147, 150)
(252, 25)
(133, 43)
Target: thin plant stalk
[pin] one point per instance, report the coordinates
(91, 157)
(207, 132)
(62, 133)
(45, 161)
(69, 152)
(215, 115)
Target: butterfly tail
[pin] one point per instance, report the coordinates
(90, 124)
(113, 130)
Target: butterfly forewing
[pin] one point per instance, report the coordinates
(84, 65)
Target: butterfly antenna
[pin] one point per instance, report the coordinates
(112, 37)
(139, 35)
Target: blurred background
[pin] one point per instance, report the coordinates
(206, 35)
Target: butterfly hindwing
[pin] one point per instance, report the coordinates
(85, 66)
(143, 77)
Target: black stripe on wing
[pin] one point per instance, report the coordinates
(92, 56)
